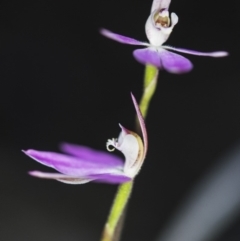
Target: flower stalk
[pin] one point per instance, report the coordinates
(120, 202)
(150, 83)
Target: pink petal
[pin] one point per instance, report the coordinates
(142, 125)
(160, 4)
(147, 56)
(120, 38)
(193, 52)
(174, 63)
(72, 166)
(87, 153)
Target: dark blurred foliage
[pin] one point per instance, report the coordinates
(61, 81)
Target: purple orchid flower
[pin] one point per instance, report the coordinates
(158, 29)
(82, 164)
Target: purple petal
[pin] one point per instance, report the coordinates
(120, 38)
(111, 178)
(147, 56)
(193, 52)
(174, 63)
(142, 125)
(90, 154)
(72, 166)
(60, 177)
(160, 4)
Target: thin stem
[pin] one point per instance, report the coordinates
(119, 204)
(150, 83)
(119, 227)
(113, 227)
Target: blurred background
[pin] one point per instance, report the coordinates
(60, 80)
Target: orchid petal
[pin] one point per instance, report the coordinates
(160, 4)
(147, 56)
(87, 153)
(142, 125)
(120, 38)
(130, 148)
(174, 63)
(194, 52)
(72, 166)
(130, 144)
(60, 177)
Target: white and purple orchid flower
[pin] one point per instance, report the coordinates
(82, 164)
(158, 29)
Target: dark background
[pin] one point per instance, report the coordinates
(60, 80)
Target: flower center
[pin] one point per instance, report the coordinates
(162, 19)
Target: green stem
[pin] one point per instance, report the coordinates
(119, 204)
(150, 83)
(115, 219)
